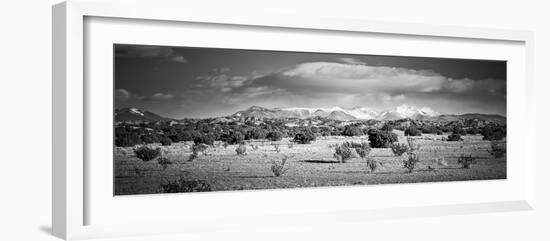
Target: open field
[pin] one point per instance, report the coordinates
(309, 165)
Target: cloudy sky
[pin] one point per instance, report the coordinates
(180, 82)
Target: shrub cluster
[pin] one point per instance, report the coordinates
(497, 150)
(182, 185)
(350, 130)
(493, 133)
(398, 149)
(411, 161)
(412, 131)
(274, 136)
(466, 160)
(454, 137)
(241, 149)
(381, 138)
(278, 168)
(305, 137)
(146, 153)
(343, 152)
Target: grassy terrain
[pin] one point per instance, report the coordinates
(309, 165)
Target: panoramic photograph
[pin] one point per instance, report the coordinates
(190, 119)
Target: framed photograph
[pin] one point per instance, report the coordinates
(176, 121)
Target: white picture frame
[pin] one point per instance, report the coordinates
(71, 189)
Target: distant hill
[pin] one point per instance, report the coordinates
(135, 114)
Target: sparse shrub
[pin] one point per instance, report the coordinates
(466, 161)
(352, 131)
(146, 153)
(304, 138)
(290, 145)
(372, 164)
(254, 147)
(241, 149)
(278, 168)
(362, 149)
(411, 161)
(197, 149)
(165, 141)
(387, 127)
(343, 152)
(164, 162)
(454, 137)
(277, 147)
(398, 149)
(182, 185)
(381, 139)
(412, 131)
(497, 150)
(225, 145)
(274, 136)
(412, 146)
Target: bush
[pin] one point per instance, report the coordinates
(430, 130)
(493, 133)
(274, 136)
(411, 161)
(304, 138)
(150, 138)
(457, 130)
(398, 149)
(204, 139)
(372, 164)
(236, 138)
(412, 131)
(497, 150)
(352, 131)
(466, 161)
(381, 139)
(278, 168)
(241, 149)
(126, 139)
(343, 152)
(164, 162)
(472, 131)
(197, 149)
(183, 185)
(277, 147)
(454, 137)
(165, 141)
(362, 149)
(146, 154)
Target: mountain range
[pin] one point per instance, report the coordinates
(339, 113)
(334, 113)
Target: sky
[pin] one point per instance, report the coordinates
(188, 82)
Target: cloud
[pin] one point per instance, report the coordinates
(352, 61)
(122, 94)
(162, 53)
(159, 97)
(360, 79)
(179, 59)
(221, 80)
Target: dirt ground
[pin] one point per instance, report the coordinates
(309, 165)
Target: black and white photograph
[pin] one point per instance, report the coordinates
(193, 119)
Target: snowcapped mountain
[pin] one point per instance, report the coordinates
(339, 113)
